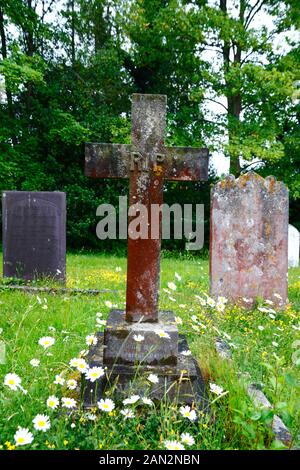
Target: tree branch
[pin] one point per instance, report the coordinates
(259, 4)
(250, 164)
(217, 102)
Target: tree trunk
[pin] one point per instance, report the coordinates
(234, 102)
(28, 31)
(73, 32)
(10, 106)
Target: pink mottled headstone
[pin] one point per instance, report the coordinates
(249, 239)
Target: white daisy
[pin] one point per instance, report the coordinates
(68, 402)
(90, 416)
(186, 353)
(222, 300)
(106, 405)
(74, 362)
(187, 439)
(162, 334)
(220, 307)
(274, 344)
(41, 423)
(131, 400)
(100, 322)
(108, 304)
(188, 413)
(118, 269)
(138, 338)
(46, 341)
(153, 378)
(52, 402)
(82, 365)
(147, 401)
(91, 340)
(210, 302)
(260, 327)
(13, 381)
(216, 389)
(263, 309)
(71, 384)
(178, 320)
(174, 445)
(59, 380)
(34, 362)
(172, 286)
(23, 436)
(127, 413)
(94, 373)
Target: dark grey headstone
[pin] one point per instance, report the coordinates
(34, 234)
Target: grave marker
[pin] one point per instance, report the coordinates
(34, 234)
(147, 162)
(294, 241)
(249, 239)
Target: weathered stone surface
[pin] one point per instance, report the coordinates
(34, 234)
(279, 429)
(223, 349)
(249, 239)
(259, 399)
(294, 246)
(182, 383)
(122, 348)
(147, 162)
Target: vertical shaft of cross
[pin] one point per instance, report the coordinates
(146, 187)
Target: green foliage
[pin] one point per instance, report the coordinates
(67, 79)
(235, 422)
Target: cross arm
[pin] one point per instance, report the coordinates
(186, 164)
(107, 160)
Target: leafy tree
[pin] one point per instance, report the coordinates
(68, 69)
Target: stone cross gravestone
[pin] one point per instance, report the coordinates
(147, 162)
(34, 234)
(294, 246)
(249, 239)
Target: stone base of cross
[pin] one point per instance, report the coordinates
(160, 350)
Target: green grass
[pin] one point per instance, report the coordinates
(267, 356)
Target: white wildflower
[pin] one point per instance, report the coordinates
(46, 341)
(106, 405)
(23, 436)
(41, 423)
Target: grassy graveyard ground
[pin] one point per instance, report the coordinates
(265, 350)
